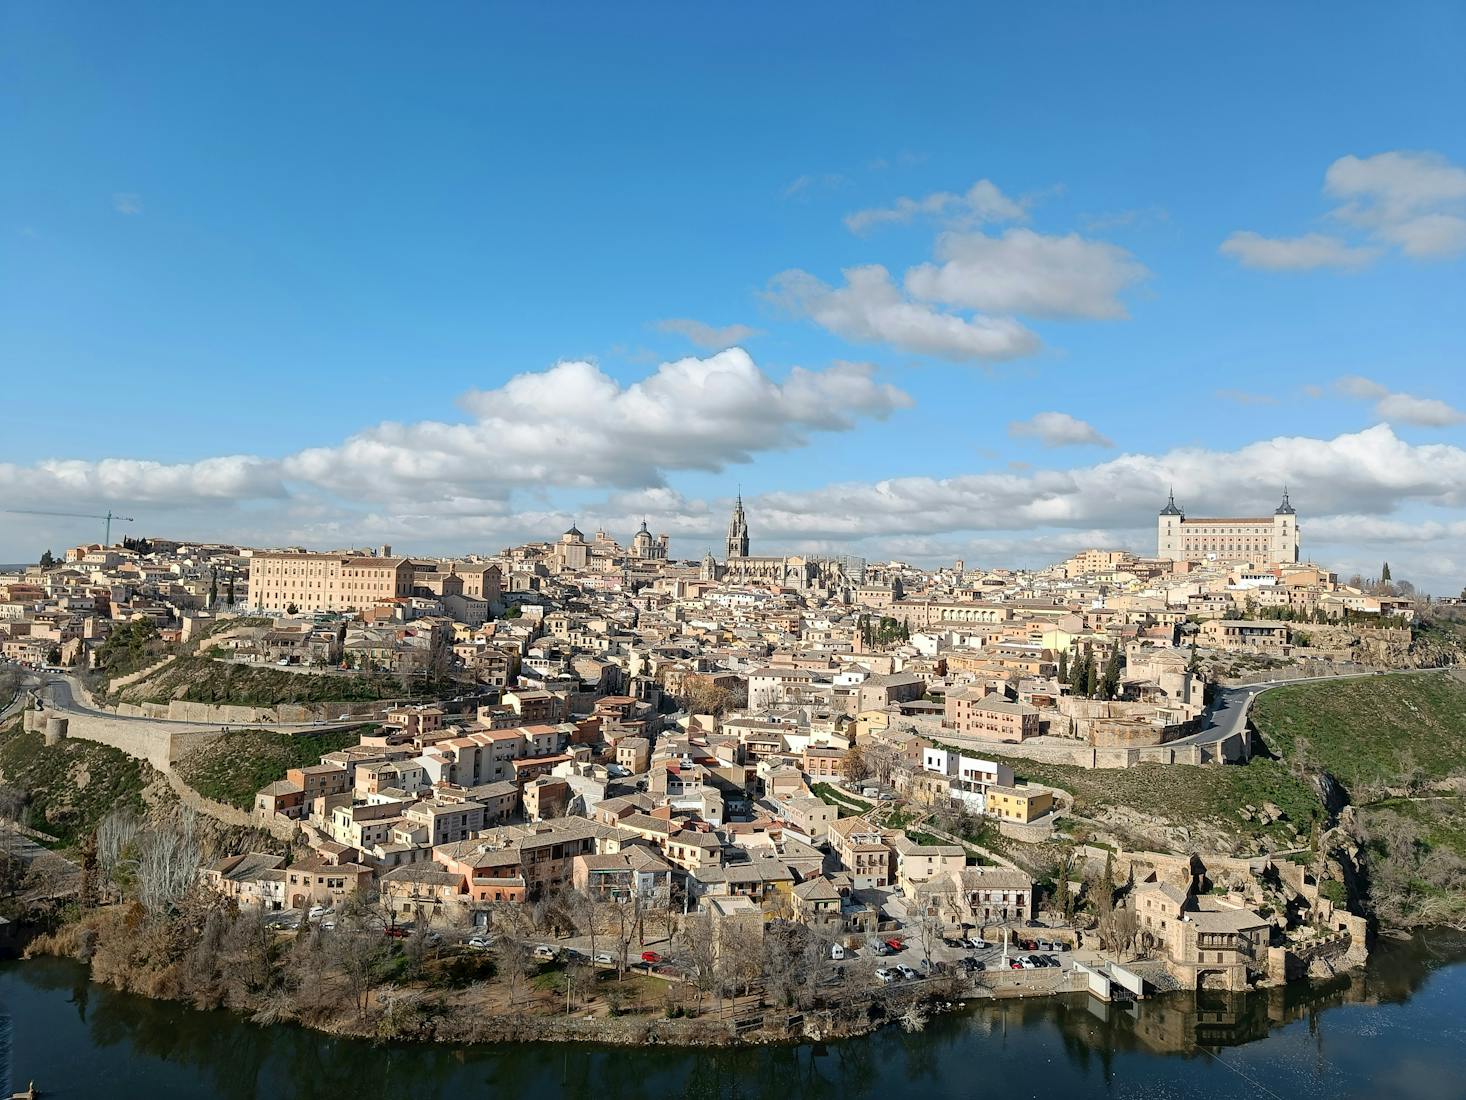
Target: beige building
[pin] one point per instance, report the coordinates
(1272, 539)
(970, 711)
(326, 582)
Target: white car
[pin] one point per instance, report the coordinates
(886, 975)
(907, 973)
(316, 913)
(1027, 963)
(478, 943)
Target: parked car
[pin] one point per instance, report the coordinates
(886, 975)
(1033, 923)
(975, 944)
(650, 957)
(478, 943)
(880, 948)
(1014, 964)
(545, 953)
(907, 973)
(952, 941)
(605, 958)
(393, 932)
(895, 945)
(316, 913)
(1027, 963)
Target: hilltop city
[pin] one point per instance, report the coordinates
(582, 755)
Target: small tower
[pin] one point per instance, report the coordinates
(1168, 530)
(737, 531)
(1286, 543)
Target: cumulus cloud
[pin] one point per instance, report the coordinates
(1416, 201)
(982, 202)
(870, 308)
(1057, 429)
(574, 425)
(704, 335)
(1411, 201)
(1023, 272)
(1405, 408)
(1313, 250)
(1372, 472)
(135, 481)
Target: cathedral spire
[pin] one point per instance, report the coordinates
(1170, 509)
(1286, 508)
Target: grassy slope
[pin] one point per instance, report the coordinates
(1372, 731)
(1186, 795)
(201, 680)
(237, 765)
(71, 786)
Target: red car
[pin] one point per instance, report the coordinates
(395, 933)
(650, 957)
(895, 945)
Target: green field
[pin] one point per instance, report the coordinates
(1370, 732)
(71, 786)
(238, 764)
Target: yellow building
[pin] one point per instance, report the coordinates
(1021, 804)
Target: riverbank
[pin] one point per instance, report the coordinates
(361, 985)
(1393, 1030)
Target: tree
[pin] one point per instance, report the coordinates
(292, 609)
(213, 585)
(1109, 687)
(854, 766)
(48, 560)
(1384, 573)
(229, 590)
(1063, 666)
(167, 862)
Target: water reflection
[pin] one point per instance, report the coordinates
(1082, 1045)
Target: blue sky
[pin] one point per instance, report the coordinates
(1229, 241)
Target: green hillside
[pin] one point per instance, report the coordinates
(1370, 732)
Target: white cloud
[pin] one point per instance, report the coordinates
(708, 336)
(1305, 253)
(53, 483)
(1413, 201)
(127, 203)
(574, 425)
(1406, 408)
(1372, 472)
(983, 202)
(1028, 273)
(870, 308)
(1057, 429)
(801, 185)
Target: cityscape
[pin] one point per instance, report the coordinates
(552, 530)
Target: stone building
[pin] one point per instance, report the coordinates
(1272, 539)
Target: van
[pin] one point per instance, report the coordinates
(837, 951)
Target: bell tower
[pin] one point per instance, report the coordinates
(737, 531)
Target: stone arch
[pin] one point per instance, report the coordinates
(1212, 979)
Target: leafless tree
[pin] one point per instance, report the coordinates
(695, 947)
(115, 835)
(168, 861)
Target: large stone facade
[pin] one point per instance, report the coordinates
(1262, 539)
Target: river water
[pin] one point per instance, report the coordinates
(1398, 1030)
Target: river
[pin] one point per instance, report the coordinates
(1397, 1030)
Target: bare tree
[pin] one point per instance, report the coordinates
(168, 861)
(115, 835)
(695, 946)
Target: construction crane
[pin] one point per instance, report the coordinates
(109, 517)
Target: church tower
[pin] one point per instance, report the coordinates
(1168, 531)
(738, 531)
